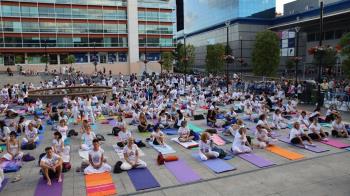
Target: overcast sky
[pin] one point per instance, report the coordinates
(280, 3)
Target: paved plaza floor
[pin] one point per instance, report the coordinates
(319, 174)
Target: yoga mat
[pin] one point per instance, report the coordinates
(170, 131)
(328, 125)
(256, 160)
(191, 144)
(112, 122)
(164, 150)
(316, 149)
(284, 153)
(3, 184)
(99, 184)
(218, 140)
(335, 143)
(142, 179)
(42, 189)
(182, 171)
(217, 165)
(195, 128)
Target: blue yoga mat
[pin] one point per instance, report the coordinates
(217, 165)
(3, 184)
(170, 131)
(142, 179)
(164, 150)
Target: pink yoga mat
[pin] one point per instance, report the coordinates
(42, 189)
(335, 143)
(183, 173)
(218, 140)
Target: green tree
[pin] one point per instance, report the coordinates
(167, 58)
(266, 53)
(214, 61)
(179, 55)
(328, 58)
(44, 59)
(344, 46)
(70, 59)
(290, 64)
(19, 59)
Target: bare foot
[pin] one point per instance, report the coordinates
(49, 183)
(59, 179)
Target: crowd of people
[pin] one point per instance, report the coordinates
(152, 104)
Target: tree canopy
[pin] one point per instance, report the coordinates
(214, 61)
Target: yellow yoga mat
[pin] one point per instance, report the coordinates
(284, 153)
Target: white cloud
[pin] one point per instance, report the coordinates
(280, 3)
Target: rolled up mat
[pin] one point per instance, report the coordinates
(164, 150)
(142, 179)
(182, 171)
(218, 140)
(42, 189)
(216, 165)
(170, 131)
(100, 184)
(256, 160)
(284, 153)
(316, 149)
(195, 128)
(335, 143)
(3, 184)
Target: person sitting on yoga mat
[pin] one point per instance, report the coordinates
(331, 114)
(84, 126)
(241, 142)
(316, 132)
(63, 129)
(123, 135)
(338, 128)
(179, 119)
(120, 123)
(278, 121)
(264, 124)
(51, 166)
(4, 132)
(304, 120)
(96, 160)
(37, 123)
(205, 147)
(31, 134)
(211, 117)
(297, 135)
(163, 120)
(185, 133)
(231, 130)
(13, 149)
(143, 124)
(131, 156)
(263, 136)
(231, 116)
(158, 137)
(57, 143)
(87, 139)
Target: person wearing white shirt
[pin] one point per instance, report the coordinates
(184, 133)
(240, 143)
(205, 148)
(263, 136)
(278, 120)
(338, 128)
(63, 129)
(96, 160)
(51, 165)
(31, 134)
(297, 135)
(131, 156)
(87, 138)
(316, 132)
(304, 120)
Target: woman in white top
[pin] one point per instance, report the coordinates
(205, 147)
(163, 120)
(297, 135)
(240, 143)
(184, 133)
(12, 147)
(158, 137)
(278, 121)
(231, 130)
(264, 124)
(316, 132)
(4, 132)
(31, 134)
(304, 120)
(57, 143)
(263, 136)
(338, 128)
(63, 129)
(87, 139)
(131, 156)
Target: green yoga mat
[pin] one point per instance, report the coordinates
(326, 125)
(195, 128)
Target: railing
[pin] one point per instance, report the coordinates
(340, 101)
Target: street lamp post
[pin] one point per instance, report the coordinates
(227, 23)
(95, 57)
(145, 60)
(297, 30)
(185, 60)
(46, 59)
(241, 60)
(319, 100)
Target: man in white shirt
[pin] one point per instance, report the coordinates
(96, 159)
(51, 166)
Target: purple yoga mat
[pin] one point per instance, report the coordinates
(142, 179)
(256, 160)
(42, 189)
(335, 143)
(316, 149)
(217, 165)
(183, 173)
(3, 184)
(112, 122)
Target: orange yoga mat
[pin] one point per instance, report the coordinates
(284, 153)
(99, 185)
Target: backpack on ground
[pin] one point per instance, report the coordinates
(100, 137)
(160, 159)
(27, 158)
(29, 146)
(117, 167)
(222, 153)
(66, 167)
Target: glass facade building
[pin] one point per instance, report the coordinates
(200, 14)
(88, 29)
